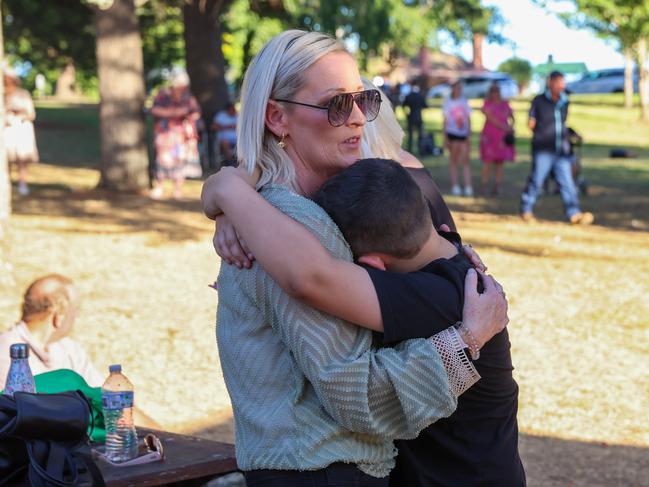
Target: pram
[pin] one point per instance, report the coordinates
(576, 142)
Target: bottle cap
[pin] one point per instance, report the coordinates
(19, 350)
(114, 368)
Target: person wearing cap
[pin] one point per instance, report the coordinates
(49, 310)
(20, 139)
(175, 112)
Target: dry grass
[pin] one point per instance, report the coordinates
(578, 306)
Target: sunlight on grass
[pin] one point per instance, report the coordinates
(578, 295)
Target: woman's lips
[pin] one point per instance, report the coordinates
(352, 140)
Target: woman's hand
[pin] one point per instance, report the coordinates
(471, 254)
(229, 246)
(484, 315)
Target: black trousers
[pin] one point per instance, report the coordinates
(418, 127)
(336, 474)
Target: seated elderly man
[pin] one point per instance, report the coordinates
(48, 313)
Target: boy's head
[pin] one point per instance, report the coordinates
(378, 207)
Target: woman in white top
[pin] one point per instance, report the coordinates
(20, 139)
(457, 138)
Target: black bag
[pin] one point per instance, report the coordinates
(44, 440)
(509, 139)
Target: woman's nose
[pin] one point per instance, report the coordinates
(356, 117)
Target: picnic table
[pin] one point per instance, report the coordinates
(188, 461)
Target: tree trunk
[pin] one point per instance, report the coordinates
(124, 158)
(203, 54)
(478, 40)
(628, 78)
(66, 82)
(643, 84)
(6, 274)
(5, 183)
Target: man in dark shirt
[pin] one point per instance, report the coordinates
(478, 444)
(415, 103)
(551, 152)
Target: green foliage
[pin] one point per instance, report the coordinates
(246, 30)
(48, 34)
(163, 45)
(519, 69)
(624, 20)
(463, 18)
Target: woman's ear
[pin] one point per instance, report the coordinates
(276, 119)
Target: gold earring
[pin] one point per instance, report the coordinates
(282, 144)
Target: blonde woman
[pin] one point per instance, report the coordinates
(314, 403)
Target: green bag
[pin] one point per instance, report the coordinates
(67, 380)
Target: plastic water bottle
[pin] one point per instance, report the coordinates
(19, 377)
(117, 403)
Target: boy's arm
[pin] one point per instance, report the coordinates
(294, 257)
(417, 304)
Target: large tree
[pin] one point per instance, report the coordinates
(5, 185)
(204, 55)
(56, 38)
(519, 69)
(469, 20)
(124, 158)
(626, 21)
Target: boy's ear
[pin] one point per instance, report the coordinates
(276, 119)
(372, 260)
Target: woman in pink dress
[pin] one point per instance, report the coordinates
(497, 138)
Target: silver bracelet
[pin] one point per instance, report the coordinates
(470, 339)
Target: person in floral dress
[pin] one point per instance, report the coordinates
(175, 112)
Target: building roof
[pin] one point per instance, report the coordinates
(566, 68)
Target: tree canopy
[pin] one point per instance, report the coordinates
(519, 69)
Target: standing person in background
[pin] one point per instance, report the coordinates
(497, 138)
(551, 152)
(225, 125)
(382, 138)
(415, 102)
(20, 139)
(457, 138)
(175, 112)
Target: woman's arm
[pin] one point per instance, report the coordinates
(301, 266)
(294, 257)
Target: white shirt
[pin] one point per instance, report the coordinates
(224, 118)
(456, 116)
(62, 354)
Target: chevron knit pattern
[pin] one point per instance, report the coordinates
(309, 389)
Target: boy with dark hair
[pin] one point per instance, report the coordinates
(376, 203)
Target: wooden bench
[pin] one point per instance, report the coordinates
(188, 461)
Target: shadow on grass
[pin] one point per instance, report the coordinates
(97, 211)
(553, 462)
(549, 462)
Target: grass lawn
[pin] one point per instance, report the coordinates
(578, 295)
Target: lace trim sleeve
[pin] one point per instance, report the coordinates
(461, 372)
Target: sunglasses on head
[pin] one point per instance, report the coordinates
(340, 107)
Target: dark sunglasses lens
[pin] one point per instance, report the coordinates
(340, 107)
(370, 103)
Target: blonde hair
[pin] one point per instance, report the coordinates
(382, 137)
(277, 71)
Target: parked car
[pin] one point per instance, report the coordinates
(602, 81)
(477, 86)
